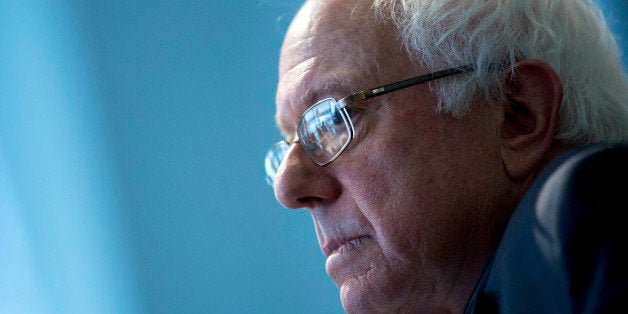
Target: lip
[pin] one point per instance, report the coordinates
(334, 245)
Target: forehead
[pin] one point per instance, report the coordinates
(328, 49)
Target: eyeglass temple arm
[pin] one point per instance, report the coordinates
(369, 93)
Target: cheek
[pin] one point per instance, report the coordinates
(405, 186)
(390, 173)
(388, 189)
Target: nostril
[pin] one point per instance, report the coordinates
(309, 200)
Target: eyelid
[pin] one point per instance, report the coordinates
(354, 111)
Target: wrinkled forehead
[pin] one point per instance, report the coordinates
(328, 49)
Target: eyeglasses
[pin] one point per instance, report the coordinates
(325, 129)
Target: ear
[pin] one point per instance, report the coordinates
(534, 94)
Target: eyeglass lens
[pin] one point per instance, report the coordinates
(324, 131)
(273, 160)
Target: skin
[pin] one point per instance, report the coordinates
(411, 212)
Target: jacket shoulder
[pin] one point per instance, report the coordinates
(564, 249)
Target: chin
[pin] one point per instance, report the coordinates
(354, 300)
(365, 295)
(367, 282)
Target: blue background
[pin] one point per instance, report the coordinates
(132, 135)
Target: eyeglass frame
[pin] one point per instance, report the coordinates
(366, 94)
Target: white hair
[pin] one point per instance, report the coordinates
(570, 35)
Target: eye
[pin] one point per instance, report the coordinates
(337, 118)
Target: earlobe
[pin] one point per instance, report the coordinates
(529, 116)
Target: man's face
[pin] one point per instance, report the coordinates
(407, 215)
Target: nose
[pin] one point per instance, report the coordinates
(300, 183)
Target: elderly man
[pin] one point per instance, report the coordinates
(413, 130)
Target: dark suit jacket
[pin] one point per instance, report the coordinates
(565, 249)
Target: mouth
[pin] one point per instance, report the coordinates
(341, 245)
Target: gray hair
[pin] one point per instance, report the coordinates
(570, 35)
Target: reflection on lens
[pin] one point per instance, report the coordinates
(324, 131)
(273, 160)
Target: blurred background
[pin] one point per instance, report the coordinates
(132, 135)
